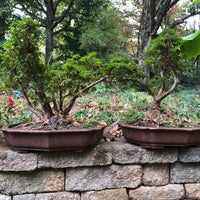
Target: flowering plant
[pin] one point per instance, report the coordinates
(10, 103)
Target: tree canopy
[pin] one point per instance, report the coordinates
(57, 16)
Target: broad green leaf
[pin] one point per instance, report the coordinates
(191, 45)
(197, 1)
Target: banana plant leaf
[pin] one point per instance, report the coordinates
(191, 45)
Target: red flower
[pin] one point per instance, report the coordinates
(11, 103)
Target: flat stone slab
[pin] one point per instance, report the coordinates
(99, 178)
(5, 197)
(99, 156)
(105, 153)
(125, 153)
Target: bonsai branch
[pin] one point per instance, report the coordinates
(31, 108)
(28, 103)
(93, 84)
(163, 82)
(76, 95)
(146, 87)
(176, 81)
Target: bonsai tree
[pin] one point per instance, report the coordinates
(48, 90)
(166, 61)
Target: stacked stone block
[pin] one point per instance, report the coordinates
(111, 171)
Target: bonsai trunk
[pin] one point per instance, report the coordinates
(45, 106)
(156, 112)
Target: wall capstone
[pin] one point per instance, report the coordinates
(101, 155)
(125, 153)
(4, 197)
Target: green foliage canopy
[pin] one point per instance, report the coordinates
(166, 61)
(49, 89)
(20, 58)
(104, 35)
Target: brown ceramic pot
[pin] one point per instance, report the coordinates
(157, 138)
(52, 140)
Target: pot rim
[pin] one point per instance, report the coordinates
(81, 130)
(123, 125)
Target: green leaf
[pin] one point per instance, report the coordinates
(197, 1)
(191, 45)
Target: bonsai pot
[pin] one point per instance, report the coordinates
(158, 138)
(53, 140)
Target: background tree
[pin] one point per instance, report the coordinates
(131, 12)
(55, 16)
(67, 43)
(104, 35)
(153, 15)
(6, 17)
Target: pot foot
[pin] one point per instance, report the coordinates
(151, 146)
(20, 151)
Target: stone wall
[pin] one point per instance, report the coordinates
(111, 171)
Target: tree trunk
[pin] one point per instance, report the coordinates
(156, 103)
(152, 17)
(50, 16)
(45, 105)
(49, 46)
(146, 27)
